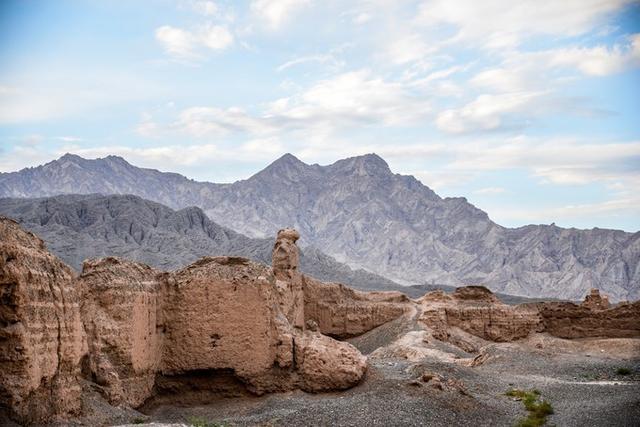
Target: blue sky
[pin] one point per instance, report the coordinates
(529, 109)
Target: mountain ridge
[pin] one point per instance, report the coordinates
(361, 213)
(79, 227)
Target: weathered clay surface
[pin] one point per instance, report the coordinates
(319, 357)
(343, 312)
(568, 320)
(135, 331)
(227, 325)
(41, 338)
(475, 310)
(121, 312)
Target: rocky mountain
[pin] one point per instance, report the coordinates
(358, 211)
(78, 227)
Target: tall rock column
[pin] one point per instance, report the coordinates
(285, 259)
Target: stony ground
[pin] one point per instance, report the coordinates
(577, 377)
(583, 391)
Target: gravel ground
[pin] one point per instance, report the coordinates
(580, 382)
(579, 378)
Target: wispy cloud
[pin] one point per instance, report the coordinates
(185, 44)
(322, 59)
(275, 13)
(499, 24)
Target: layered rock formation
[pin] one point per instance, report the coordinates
(131, 329)
(343, 312)
(41, 333)
(475, 310)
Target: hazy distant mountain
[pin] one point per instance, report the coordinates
(77, 227)
(361, 213)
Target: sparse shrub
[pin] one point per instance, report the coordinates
(201, 422)
(538, 410)
(138, 421)
(623, 371)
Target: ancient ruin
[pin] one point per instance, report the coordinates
(226, 325)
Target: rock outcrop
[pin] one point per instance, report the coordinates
(342, 312)
(135, 331)
(123, 319)
(41, 334)
(475, 310)
(568, 320)
(595, 301)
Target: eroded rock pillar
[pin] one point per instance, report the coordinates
(285, 261)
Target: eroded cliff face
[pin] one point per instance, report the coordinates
(41, 334)
(137, 332)
(123, 320)
(475, 310)
(343, 312)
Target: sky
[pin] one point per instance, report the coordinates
(529, 109)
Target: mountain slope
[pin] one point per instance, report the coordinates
(77, 227)
(361, 213)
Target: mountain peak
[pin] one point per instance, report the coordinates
(70, 157)
(288, 159)
(367, 164)
(288, 167)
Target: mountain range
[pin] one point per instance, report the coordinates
(362, 214)
(78, 227)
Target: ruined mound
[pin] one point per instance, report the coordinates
(138, 333)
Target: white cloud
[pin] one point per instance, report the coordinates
(490, 190)
(216, 37)
(176, 41)
(598, 60)
(521, 71)
(504, 23)
(487, 111)
(354, 97)
(185, 44)
(557, 161)
(403, 49)
(322, 59)
(206, 121)
(348, 100)
(275, 13)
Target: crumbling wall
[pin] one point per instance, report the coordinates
(41, 337)
(224, 314)
(343, 312)
(476, 310)
(221, 322)
(568, 320)
(122, 317)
